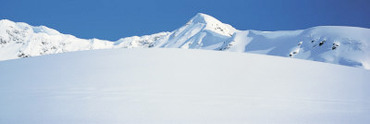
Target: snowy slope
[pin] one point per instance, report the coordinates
(179, 86)
(342, 45)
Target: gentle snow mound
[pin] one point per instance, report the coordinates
(159, 86)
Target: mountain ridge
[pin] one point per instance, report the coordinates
(341, 45)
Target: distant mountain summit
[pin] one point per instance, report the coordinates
(342, 45)
(201, 32)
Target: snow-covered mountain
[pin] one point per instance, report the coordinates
(332, 44)
(19, 40)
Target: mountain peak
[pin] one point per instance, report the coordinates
(204, 18)
(211, 24)
(6, 22)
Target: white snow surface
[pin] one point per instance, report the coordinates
(159, 86)
(341, 45)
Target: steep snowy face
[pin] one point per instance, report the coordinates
(201, 32)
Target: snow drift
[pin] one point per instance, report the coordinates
(179, 86)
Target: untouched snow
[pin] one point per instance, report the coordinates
(341, 45)
(179, 86)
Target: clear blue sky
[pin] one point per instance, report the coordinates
(113, 19)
